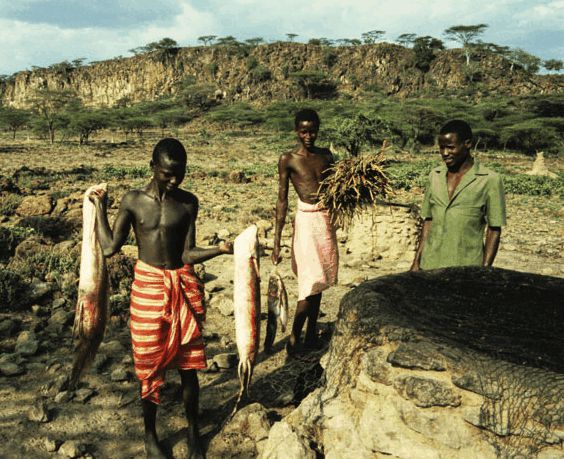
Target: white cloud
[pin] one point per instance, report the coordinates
(25, 44)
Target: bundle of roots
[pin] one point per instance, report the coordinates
(352, 185)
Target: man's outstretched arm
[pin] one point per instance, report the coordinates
(281, 205)
(192, 254)
(493, 236)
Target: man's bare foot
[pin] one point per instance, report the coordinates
(153, 449)
(195, 450)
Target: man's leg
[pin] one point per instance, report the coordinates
(152, 447)
(191, 400)
(313, 315)
(305, 310)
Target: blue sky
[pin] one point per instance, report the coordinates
(43, 32)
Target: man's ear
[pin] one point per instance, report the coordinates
(468, 143)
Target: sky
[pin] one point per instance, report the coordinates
(44, 32)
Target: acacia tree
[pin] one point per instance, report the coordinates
(465, 35)
(528, 62)
(406, 39)
(207, 39)
(13, 119)
(425, 50)
(161, 45)
(50, 106)
(254, 41)
(291, 36)
(553, 65)
(372, 36)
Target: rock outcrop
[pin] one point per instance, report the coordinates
(454, 363)
(264, 73)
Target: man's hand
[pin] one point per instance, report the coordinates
(226, 247)
(276, 255)
(98, 197)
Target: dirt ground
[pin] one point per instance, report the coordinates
(108, 421)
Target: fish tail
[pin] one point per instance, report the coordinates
(245, 370)
(84, 356)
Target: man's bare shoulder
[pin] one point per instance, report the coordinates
(186, 197)
(131, 198)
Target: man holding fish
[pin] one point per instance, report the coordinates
(167, 305)
(314, 246)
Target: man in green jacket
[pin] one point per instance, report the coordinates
(461, 199)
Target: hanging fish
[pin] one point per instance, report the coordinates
(93, 292)
(277, 308)
(246, 303)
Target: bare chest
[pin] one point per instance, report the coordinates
(166, 215)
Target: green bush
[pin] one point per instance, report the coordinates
(239, 114)
(118, 172)
(533, 185)
(9, 204)
(13, 288)
(406, 175)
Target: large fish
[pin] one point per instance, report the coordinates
(92, 306)
(277, 308)
(246, 304)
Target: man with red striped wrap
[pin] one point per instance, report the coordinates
(167, 298)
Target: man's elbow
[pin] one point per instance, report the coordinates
(109, 252)
(188, 259)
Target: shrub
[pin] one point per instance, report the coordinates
(13, 288)
(260, 73)
(118, 172)
(238, 114)
(533, 185)
(10, 203)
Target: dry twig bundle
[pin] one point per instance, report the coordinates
(351, 185)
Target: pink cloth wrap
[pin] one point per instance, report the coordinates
(315, 257)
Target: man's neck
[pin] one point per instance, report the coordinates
(464, 167)
(155, 192)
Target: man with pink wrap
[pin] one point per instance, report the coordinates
(314, 246)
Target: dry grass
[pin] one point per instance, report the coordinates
(352, 185)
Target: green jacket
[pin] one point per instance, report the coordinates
(456, 237)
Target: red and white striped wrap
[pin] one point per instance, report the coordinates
(167, 311)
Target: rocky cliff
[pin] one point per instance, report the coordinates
(265, 72)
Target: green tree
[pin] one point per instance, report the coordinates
(50, 106)
(528, 62)
(354, 133)
(14, 119)
(229, 40)
(170, 118)
(406, 39)
(466, 36)
(207, 39)
(314, 83)
(291, 36)
(530, 136)
(87, 121)
(553, 65)
(372, 36)
(161, 45)
(425, 50)
(254, 41)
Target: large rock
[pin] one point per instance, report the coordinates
(27, 343)
(284, 443)
(454, 363)
(33, 206)
(244, 435)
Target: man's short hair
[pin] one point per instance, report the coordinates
(171, 148)
(306, 114)
(459, 127)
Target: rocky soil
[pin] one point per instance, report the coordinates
(233, 174)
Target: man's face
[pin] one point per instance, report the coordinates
(453, 152)
(168, 173)
(307, 133)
